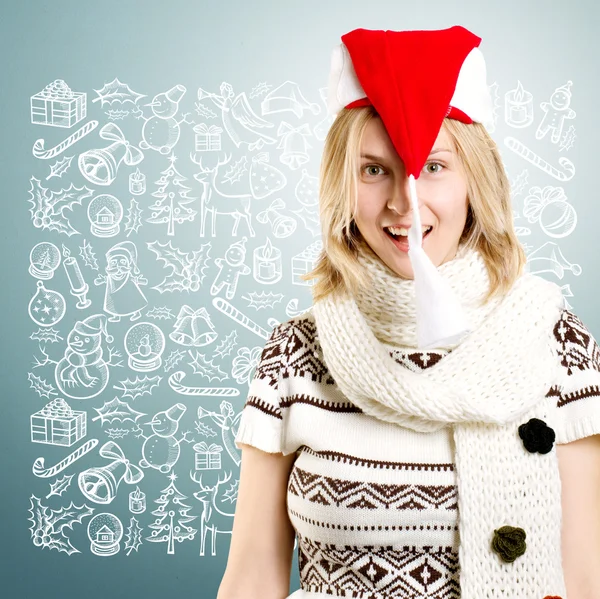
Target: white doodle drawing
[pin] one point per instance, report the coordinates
(193, 328)
(133, 537)
(100, 165)
(187, 268)
(46, 336)
(40, 386)
(105, 532)
(521, 150)
(207, 138)
(133, 220)
(294, 144)
(60, 167)
(228, 422)
(550, 207)
(117, 433)
(105, 213)
(79, 287)
(518, 107)
(48, 209)
(47, 307)
(232, 312)
(244, 363)
(307, 190)
(556, 112)
(171, 518)
(118, 410)
(101, 483)
(177, 386)
(292, 309)
(44, 259)
(41, 471)
(160, 313)
(238, 118)
(137, 501)
(115, 91)
(206, 367)
(83, 373)
(262, 300)
(322, 127)
(231, 267)
(144, 344)
(173, 359)
(40, 152)
(57, 105)
(568, 139)
(303, 262)
(266, 263)
(549, 258)
(137, 182)
(287, 97)
(207, 457)
(161, 131)
(264, 178)
(60, 485)
(138, 387)
(208, 497)
(87, 253)
(282, 226)
(172, 199)
(160, 449)
(123, 296)
(57, 424)
(49, 527)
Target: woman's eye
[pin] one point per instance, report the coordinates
(437, 164)
(372, 169)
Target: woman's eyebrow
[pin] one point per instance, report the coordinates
(436, 150)
(381, 158)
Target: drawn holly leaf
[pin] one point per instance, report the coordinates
(187, 268)
(117, 410)
(48, 526)
(139, 386)
(115, 91)
(59, 486)
(117, 433)
(205, 367)
(226, 345)
(60, 167)
(174, 358)
(160, 313)
(133, 220)
(235, 171)
(133, 537)
(49, 335)
(40, 386)
(87, 253)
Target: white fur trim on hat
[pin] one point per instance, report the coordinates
(343, 86)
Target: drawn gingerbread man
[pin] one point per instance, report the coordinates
(557, 110)
(230, 269)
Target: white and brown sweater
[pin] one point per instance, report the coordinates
(374, 504)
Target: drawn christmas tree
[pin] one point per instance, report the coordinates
(171, 205)
(168, 526)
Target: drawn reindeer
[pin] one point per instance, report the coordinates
(207, 495)
(237, 206)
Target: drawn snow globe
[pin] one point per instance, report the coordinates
(144, 344)
(105, 213)
(105, 532)
(44, 259)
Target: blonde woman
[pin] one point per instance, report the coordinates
(430, 427)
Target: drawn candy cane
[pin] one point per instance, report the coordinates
(230, 310)
(175, 384)
(38, 146)
(38, 465)
(522, 150)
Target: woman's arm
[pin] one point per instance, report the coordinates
(262, 541)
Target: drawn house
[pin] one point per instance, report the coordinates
(105, 217)
(105, 535)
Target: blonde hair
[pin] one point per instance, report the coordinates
(489, 225)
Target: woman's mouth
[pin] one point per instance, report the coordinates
(401, 242)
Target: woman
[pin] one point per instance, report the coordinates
(424, 432)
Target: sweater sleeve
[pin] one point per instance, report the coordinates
(261, 422)
(578, 392)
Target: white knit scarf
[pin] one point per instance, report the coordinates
(493, 381)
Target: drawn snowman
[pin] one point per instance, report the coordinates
(161, 449)
(83, 372)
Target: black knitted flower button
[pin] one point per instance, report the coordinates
(509, 542)
(537, 436)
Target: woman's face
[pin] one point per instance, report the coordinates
(384, 198)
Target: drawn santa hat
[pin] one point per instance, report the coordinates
(414, 79)
(128, 249)
(93, 325)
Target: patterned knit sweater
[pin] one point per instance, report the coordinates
(374, 505)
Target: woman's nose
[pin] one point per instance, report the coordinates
(399, 199)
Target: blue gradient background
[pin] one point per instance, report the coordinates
(154, 45)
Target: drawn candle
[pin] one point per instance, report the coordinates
(137, 501)
(267, 263)
(79, 287)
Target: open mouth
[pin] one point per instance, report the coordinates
(401, 241)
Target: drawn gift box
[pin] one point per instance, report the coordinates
(207, 138)
(207, 457)
(303, 263)
(58, 106)
(57, 424)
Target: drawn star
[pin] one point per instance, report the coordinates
(172, 476)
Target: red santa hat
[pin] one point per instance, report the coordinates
(414, 79)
